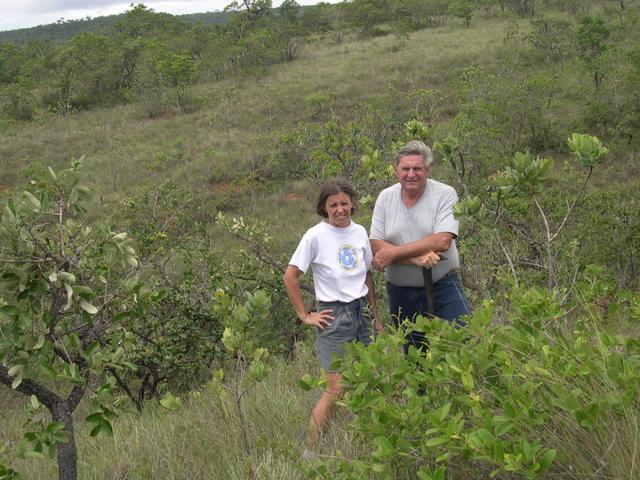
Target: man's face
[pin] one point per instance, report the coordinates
(412, 174)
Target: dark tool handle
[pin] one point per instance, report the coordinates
(428, 288)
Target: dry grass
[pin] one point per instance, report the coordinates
(202, 439)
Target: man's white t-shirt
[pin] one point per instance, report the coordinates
(340, 259)
(396, 223)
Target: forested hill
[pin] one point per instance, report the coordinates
(66, 29)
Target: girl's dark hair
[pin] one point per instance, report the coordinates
(332, 187)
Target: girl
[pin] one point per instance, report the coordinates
(338, 252)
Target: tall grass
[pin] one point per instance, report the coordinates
(200, 440)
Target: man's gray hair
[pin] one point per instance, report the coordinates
(414, 147)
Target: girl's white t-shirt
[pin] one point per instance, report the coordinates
(339, 258)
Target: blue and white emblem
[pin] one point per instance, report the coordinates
(347, 257)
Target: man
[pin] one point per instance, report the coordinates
(413, 240)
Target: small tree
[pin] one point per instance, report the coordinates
(525, 181)
(65, 287)
(177, 71)
(243, 322)
(462, 9)
(592, 36)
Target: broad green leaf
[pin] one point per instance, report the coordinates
(34, 201)
(434, 442)
(15, 370)
(89, 308)
(84, 292)
(547, 459)
(67, 277)
(55, 426)
(305, 382)
(131, 261)
(171, 402)
(385, 448)
(93, 348)
(467, 379)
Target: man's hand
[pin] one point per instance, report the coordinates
(426, 260)
(383, 258)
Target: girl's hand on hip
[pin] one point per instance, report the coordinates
(320, 319)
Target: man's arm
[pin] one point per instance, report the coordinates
(386, 253)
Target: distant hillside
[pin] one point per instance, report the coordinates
(64, 30)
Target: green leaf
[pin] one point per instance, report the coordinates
(40, 343)
(434, 442)
(107, 428)
(10, 310)
(84, 292)
(67, 277)
(485, 435)
(69, 291)
(48, 369)
(467, 379)
(33, 454)
(94, 417)
(15, 370)
(131, 261)
(55, 426)
(89, 308)
(171, 402)
(305, 382)
(92, 349)
(547, 459)
(34, 201)
(16, 382)
(385, 448)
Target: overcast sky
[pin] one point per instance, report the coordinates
(30, 13)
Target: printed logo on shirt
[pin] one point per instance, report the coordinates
(347, 257)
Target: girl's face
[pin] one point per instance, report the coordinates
(338, 209)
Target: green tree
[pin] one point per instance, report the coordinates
(592, 37)
(177, 71)
(66, 286)
(366, 15)
(288, 11)
(463, 9)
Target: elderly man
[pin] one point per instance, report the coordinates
(413, 239)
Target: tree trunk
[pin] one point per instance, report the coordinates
(67, 452)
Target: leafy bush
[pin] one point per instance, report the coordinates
(518, 399)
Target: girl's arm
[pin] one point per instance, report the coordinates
(291, 282)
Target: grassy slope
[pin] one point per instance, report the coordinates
(202, 440)
(122, 140)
